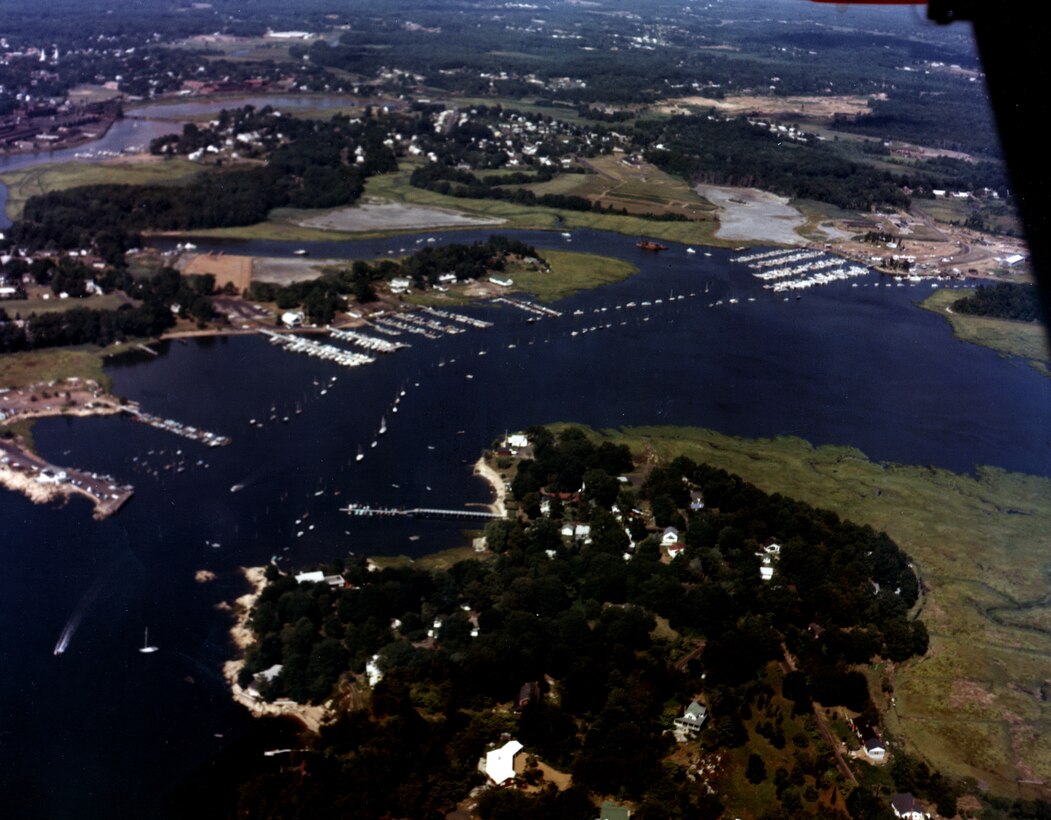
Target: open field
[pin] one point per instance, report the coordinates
(226, 268)
(637, 187)
(974, 705)
(52, 364)
(389, 216)
(821, 107)
(571, 272)
(24, 307)
(394, 187)
(41, 179)
(1026, 339)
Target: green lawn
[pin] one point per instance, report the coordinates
(41, 179)
(571, 272)
(972, 706)
(52, 364)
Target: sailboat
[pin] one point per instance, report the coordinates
(360, 456)
(146, 648)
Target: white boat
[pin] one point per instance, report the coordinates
(690, 250)
(360, 456)
(300, 252)
(237, 488)
(146, 648)
(383, 425)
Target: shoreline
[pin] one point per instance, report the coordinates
(242, 637)
(496, 481)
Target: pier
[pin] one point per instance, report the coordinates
(329, 353)
(370, 343)
(179, 429)
(398, 324)
(528, 307)
(365, 511)
(458, 317)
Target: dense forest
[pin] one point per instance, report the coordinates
(307, 167)
(736, 153)
(1005, 300)
(580, 616)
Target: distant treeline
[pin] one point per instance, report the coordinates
(1006, 300)
(311, 170)
(82, 325)
(737, 153)
(455, 182)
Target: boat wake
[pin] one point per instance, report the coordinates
(73, 624)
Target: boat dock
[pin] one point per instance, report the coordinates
(398, 324)
(458, 317)
(431, 324)
(180, 429)
(368, 342)
(330, 353)
(528, 307)
(365, 511)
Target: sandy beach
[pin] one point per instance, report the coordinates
(310, 716)
(496, 481)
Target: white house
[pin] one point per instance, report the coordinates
(691, 722)
(875, 750)
(516, 441)
(399, 284)
(292, 318)
(499, 764)
(670, 536)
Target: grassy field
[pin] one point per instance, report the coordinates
(43, 178)
(1028, 340)
(20, 369)
(24, 307)
(639, 189)
(571, 272)
(394, 187)
(973, 706)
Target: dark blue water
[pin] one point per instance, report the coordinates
(103, 731)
